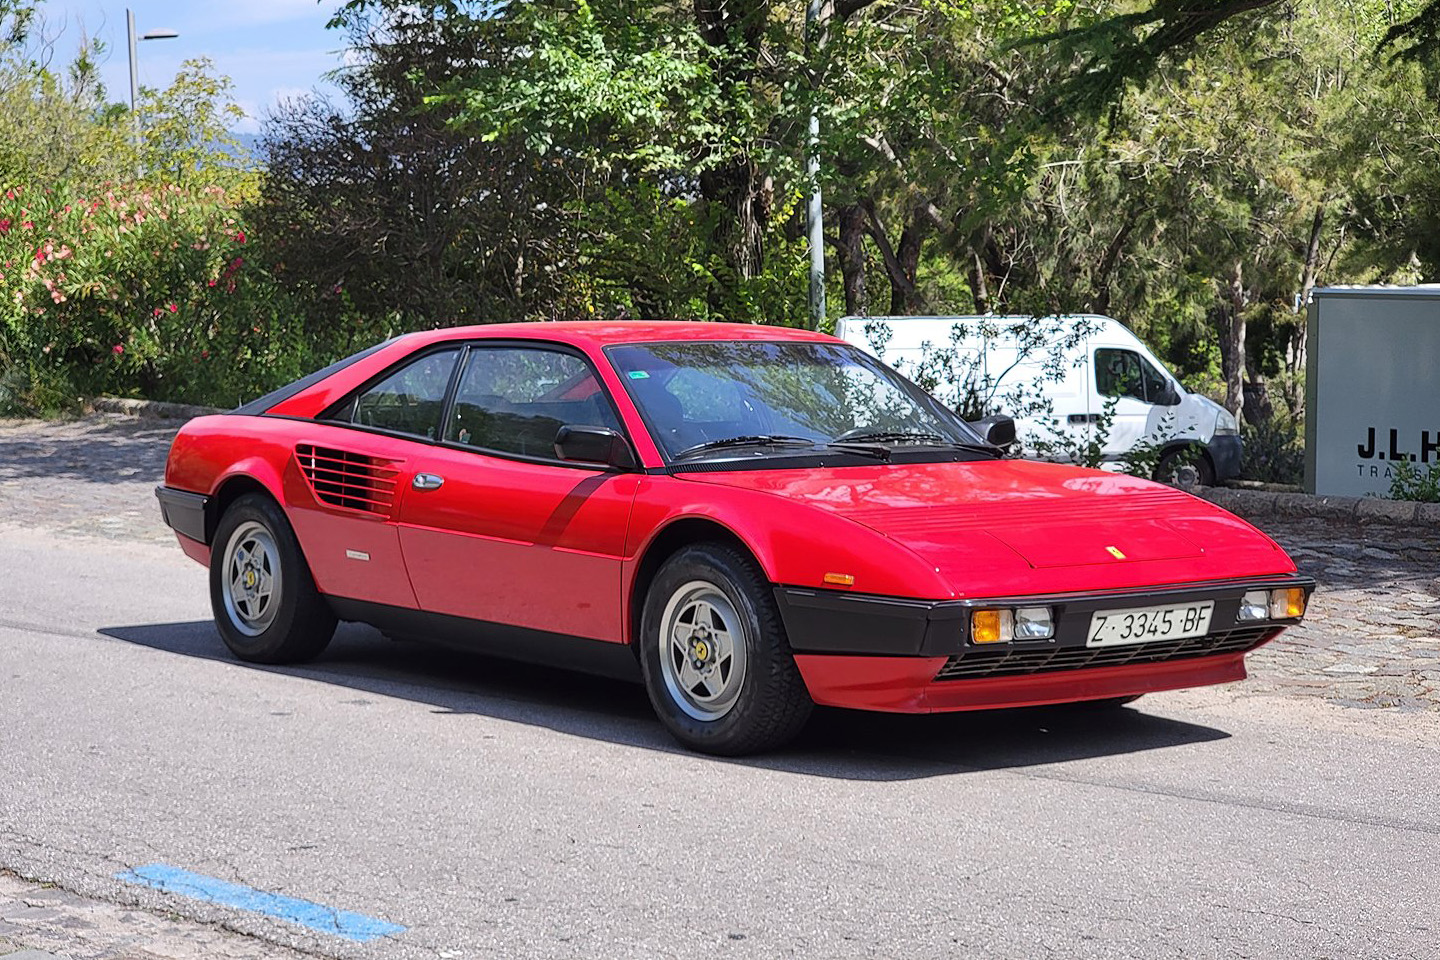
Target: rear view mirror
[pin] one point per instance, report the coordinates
(594, 445)
(997, 429)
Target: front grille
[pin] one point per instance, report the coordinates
(1017, 662)
(351, 480)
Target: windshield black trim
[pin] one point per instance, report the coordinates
(833, 458)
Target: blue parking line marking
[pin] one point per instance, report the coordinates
(316, 916)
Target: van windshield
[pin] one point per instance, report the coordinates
(695, 394)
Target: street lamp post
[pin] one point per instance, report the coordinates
(814, 210)
(135, 80)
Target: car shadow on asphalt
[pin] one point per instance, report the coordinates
(840, 744)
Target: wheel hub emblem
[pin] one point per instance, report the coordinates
(249, 578)
(702, 650)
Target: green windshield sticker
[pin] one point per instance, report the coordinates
(638, 375)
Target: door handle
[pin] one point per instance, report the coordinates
(1084, 418)
(427, 481)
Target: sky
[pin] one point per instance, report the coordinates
(270, 49)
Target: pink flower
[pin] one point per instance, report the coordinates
(156, 312)
(4, 226)
(173, 308)
(117, 349)
(240, 236)
(9, 194)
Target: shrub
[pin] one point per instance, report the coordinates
(1409, 482)
(1274, 451)
(139, 290)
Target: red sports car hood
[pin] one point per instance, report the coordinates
(1016, 526)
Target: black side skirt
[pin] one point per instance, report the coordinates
(614, 660)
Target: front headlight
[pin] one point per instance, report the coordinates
(1001, 625)
(1284, 603)
(1225, 424)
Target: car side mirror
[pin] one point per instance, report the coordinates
(594, 445)
(997, 429)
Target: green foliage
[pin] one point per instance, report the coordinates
(185, 136)
(125, 263)
(138, 291)
(1274, 451)
(1410, 482)
(603, 82)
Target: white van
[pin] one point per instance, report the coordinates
(1056, 375)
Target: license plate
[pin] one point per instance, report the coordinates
(1113, 628)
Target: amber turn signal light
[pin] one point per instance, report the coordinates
(1287, 603)
(989, 626)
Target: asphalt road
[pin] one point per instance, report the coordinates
(508, 811)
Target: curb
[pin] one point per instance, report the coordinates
(1252, 504)
(149, 408)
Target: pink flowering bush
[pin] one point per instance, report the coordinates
(139, 290)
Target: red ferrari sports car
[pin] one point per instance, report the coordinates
(751, 520)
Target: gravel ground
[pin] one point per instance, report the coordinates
(1371, 639)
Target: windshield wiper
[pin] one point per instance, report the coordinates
(917, 436)
(759, 440)
(890, 436)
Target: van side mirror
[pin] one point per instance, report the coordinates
(1168, 396)
(594, 445)
(997, 429)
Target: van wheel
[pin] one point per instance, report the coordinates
(1170, 465)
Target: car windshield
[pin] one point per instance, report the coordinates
(698, 395)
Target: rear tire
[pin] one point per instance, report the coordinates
(264, 599)
(717, 664)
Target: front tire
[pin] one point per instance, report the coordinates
(264, 599)
(717, 664)
(1168, 469)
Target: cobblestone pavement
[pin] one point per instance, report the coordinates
(1371, 639)
(51, 922)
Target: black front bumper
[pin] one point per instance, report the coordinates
(1225, 453)
(833, 622)
(185, 513)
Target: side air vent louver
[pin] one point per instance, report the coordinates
(350, 480)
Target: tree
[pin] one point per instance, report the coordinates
(381, 214)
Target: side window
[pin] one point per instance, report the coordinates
(409, 400)
(515, 399)
(1154, 381)
(1117, 374)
